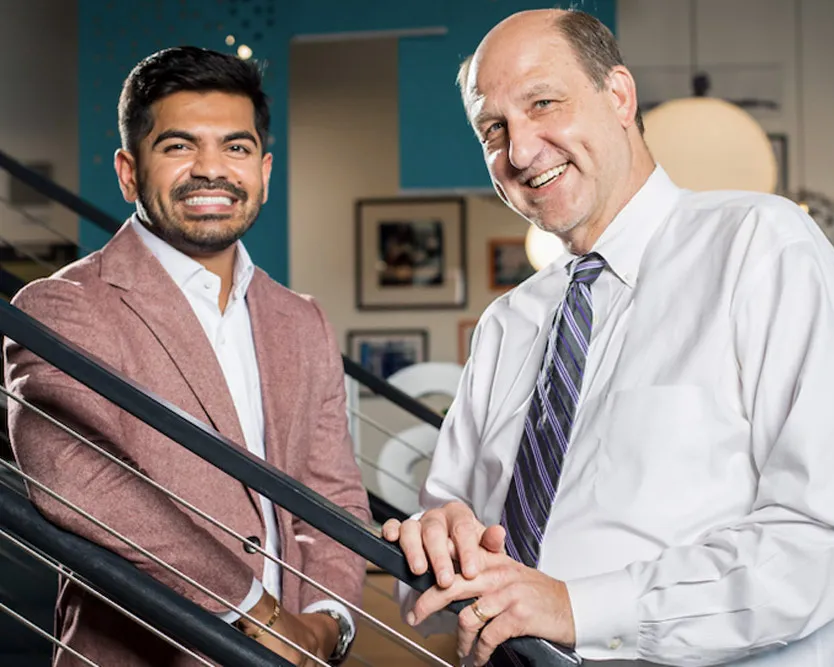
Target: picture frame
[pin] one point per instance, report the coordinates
(411, 253)
(779, 144)
(385, 351)
(466, 328)
(508, 263)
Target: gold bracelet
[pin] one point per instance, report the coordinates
(276, 612)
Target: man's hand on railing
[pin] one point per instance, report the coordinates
(443, 535)
(316, 633)
(510, 599)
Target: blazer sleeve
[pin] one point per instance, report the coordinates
(331, 471)
(86, 478)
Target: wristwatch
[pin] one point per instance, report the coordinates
(345, 639)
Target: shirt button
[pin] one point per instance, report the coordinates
(207, 285)
(615, 643)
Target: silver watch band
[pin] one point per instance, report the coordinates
(345, 639)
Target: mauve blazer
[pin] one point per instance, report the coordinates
(120, 305)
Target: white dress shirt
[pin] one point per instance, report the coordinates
(230, 335)
(693, 518)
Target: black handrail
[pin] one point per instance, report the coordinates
(136, 591)
(239, 463)
(58, 193)
(10, 284)
(385, 389)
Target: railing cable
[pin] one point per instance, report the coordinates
(43, 633)
(166, 566)
(229, 531)
(384, 429)
(64, 572)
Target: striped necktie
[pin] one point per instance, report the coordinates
(550, 417)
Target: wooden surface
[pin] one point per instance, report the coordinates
(378, 649)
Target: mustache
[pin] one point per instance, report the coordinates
(184, 189)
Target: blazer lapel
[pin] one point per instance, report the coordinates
(155, 298)
(278, 366)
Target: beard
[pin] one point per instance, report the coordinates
(197, 235)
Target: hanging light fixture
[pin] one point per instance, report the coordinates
(705, 143)
(542, 247)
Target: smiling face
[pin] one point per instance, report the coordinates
(558, 149)
(201, 175)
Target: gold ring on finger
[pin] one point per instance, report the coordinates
(482, 617)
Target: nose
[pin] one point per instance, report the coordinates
(525, 143)
(209, 164)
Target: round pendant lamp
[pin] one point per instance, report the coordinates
(705, 143)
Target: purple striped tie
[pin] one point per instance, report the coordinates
(550, 418)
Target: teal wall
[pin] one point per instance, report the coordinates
(437, 149)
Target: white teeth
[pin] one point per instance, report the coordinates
(208, 201)
(547, 176)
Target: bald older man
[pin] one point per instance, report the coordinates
(638, 462)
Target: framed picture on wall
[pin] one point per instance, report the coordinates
(385, 351)
(508, 263)
(779, 143)
(465, 330)
(410, 254)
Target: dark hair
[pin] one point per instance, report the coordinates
(186, 68)
(595, 48)
(593, 44)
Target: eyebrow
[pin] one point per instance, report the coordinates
(188, 136)
(241, 135)
(538, 89)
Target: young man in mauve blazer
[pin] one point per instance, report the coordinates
(174, 302)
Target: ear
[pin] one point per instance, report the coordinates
(125, 165)
(623, 94)
(266, 171)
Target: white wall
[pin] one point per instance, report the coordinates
(38, 104)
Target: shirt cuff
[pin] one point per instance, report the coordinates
(251, 599)
(339, 608)
(605, 616)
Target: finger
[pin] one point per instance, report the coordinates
(411, 542)
(465, 531)
(469, 625)
(497, 631)
(391, 530)
(436, 545)
(494, 539)
(437, 598)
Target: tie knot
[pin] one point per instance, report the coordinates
(586, 269)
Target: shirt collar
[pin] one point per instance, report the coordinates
(624, 241)
(183, 269)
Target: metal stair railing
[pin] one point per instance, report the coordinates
(255, 473)
(129, 587)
